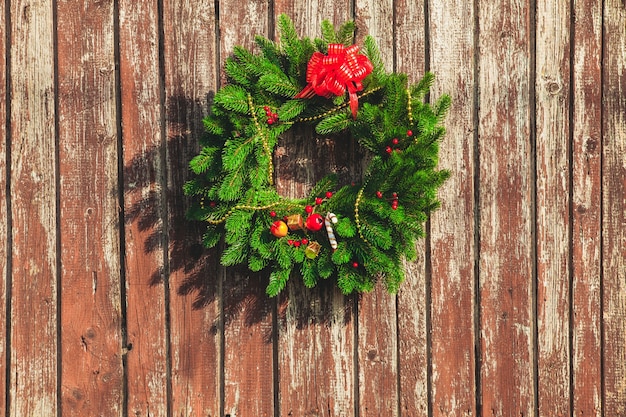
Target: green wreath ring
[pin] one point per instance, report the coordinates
(358, 233)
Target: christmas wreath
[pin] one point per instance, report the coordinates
(356, 233)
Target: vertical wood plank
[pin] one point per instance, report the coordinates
(190, 77)
(144, 152)
(315, 326)
(452, 227)
(91, 338)
(377, 351)
(586, 199)
(614, 207)
(410, 43)
(552, 86)
(4, 215)
(248, 329)
(34, 313)
(506, 209)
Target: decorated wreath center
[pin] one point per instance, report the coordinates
(358, 233)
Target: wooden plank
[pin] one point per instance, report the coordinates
(144, 173)
(248, 312)
(315, 326)
(586, 199)
(412, 310)
(506, 209)
(451, 25)
(4, 215)
(32, 377)
(552, 86)
(614, 207)
(190, 77)
(91, 334)
(377, 351)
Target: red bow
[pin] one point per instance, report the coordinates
(342, 69)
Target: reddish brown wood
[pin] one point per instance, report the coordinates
(614, 208)
(248, 333)
(144, 152)
(452, 227)
(315, 326)
(190, 77)
(32, 377)
(412, 309)
(506, 210)
(4, 215)
(586, 209)
(552, 86)
(377, 324)
(90, 220)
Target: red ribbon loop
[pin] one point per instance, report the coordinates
(332, 74)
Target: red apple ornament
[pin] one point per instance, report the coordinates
(279, 228)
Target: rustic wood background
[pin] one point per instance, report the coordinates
(110, 307)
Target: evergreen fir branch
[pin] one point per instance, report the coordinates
(291, 109)
(211, 237)
(309, 273)
(237, 73)
(278, 281)
(278, 84)
(234, 254)
(345, 34)
(333, 124)
(328, 32)
(233, 97)
(256, 264)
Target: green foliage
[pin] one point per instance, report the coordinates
(379, 218)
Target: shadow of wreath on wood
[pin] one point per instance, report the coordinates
(154, 182)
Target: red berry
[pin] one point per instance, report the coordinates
(309, 209)
(304, 241)
(329, 194)
(266, 108)
(270, 121)
(290, 242)
(394, 141)
(275, 116)
(212, 204)
(379, 194)
(388, 149)
(355, 264)
(395, 195)
(296, 243)
(409, 133)
(318, 200)
(272, 214)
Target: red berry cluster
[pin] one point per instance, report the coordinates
(271, 117)
(297, 243)
(394, 202)
(395, 141)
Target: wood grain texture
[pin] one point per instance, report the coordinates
(586, 209)
(452, 227)
(91, 334)
(190, 79)
(614, 207)
(506, 209)
(377, 351)
(144, 209)
(4, 215)
(248, 312)
(316, 327)
(412, 310)
(552, 86)
(32, 377)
